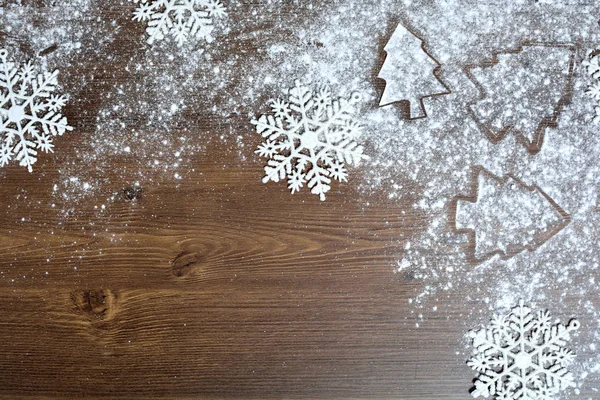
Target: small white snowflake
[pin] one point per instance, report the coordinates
(29, 112)
(181, 19)
(522, 356)
(309, 139)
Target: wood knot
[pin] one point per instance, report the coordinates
(132, 193)
(95, 304)
(184, 263)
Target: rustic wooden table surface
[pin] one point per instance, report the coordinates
(212, 286)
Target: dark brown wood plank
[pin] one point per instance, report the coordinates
(262, 342)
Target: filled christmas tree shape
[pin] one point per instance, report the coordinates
(592, 67)
(523, 92)
(506, 217)
(410, 73)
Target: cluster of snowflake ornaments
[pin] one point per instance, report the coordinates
(309, 139)
(522, 355)
(180, 19)
(29, 112)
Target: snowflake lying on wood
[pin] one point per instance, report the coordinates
(181, 19)
(309, 139)
(522, 356)
(29, 113)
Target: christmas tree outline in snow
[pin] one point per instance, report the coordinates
(309, 139)
(523, 356)
(549, 120)
(510, 250)
(394, 78)
(181, 19)
(30, 115)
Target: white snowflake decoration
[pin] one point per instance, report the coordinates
(29, 112)
(522, 356)
(181, 19)
(310, 139)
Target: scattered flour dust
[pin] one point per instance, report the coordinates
(265, 46)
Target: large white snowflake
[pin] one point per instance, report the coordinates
(522, 356)
(29, 112)
(181, 19)
(309, 139)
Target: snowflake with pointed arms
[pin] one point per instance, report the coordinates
(522, 356)
(29, 112)
(310, 139)
(181, 19)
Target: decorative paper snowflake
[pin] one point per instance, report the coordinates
(181, 19)
(309, 139)
(29, 113)
(522, 356)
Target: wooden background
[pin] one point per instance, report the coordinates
(213, 286)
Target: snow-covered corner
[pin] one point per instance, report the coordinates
(30, 115)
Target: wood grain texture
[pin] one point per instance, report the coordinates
(214, 286)
(220, 287)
